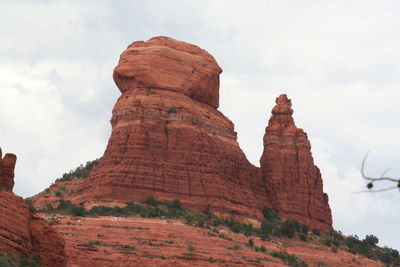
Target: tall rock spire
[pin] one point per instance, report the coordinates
(293, 182)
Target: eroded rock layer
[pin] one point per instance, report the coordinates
(24, 233)
(166, 145)
(293, 182)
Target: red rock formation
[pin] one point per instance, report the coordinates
(7, 166)
(292, 180)
(164, 63)
(167, 138)
(47, 243)
(169, 141)
(21, 232)
(15, 237)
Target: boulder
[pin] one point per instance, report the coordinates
(167, 64)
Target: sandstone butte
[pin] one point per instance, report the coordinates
(169, 141)
(22, 232)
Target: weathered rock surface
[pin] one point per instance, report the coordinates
(7, 166)
(24, 233)
(169, 141)
(293, 182)
(164, 63)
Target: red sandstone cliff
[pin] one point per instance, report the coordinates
(169, 141)
(21, 232)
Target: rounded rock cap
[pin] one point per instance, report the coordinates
(169, 64)
(283, 106)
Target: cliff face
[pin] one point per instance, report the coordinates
(169, 141)
(293, 182)
(22, 232)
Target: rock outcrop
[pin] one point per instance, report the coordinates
(169, 141)
(7, 166)
(21, 232)
(293, 182)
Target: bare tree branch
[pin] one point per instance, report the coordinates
(374, 179)
(378, 190)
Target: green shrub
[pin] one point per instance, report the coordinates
(200, 223)
(304, 228)
(189, 219)
(151, 201)
(175, 204)
(171, 110)
(64, 205)
(316, 232)
(303, 237)
(30, 205)
(270, 214)
(77, 211)
(289, 228)
(289, 259)
(209, 214)
(18, 261)
(371, 240)
(388, 256)
(250, 243)
(235, 247)
(268, 227)
(322, 264)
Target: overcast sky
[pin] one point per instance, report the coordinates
(339, 62)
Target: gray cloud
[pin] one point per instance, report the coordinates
(338, 61)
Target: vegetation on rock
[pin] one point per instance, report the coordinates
(272, 227)
(78, 173)
(7, 260)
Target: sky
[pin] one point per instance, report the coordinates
(339, 62)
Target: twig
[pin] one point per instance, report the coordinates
(382, 178)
